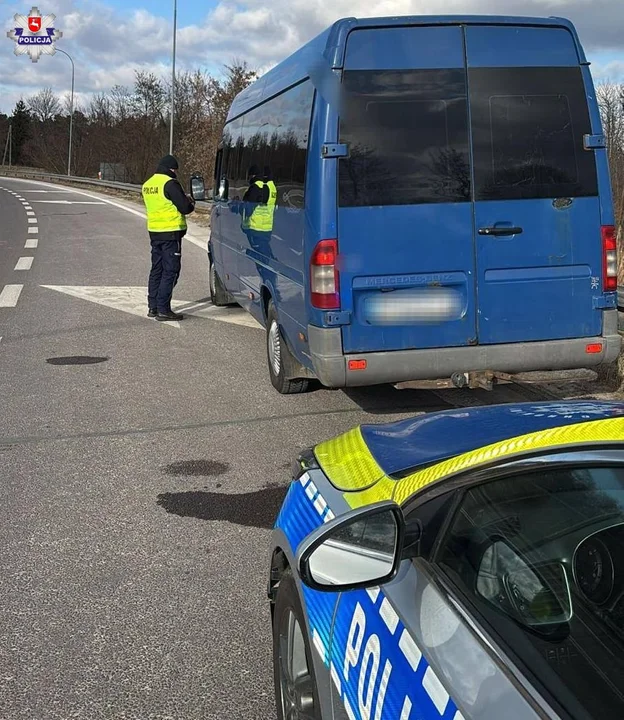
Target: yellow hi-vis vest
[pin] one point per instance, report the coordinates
(162, 214)
(261, 219)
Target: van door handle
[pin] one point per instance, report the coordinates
(500, 231)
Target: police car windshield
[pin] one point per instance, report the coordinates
(540, 557)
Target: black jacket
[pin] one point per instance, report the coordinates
(175, 192)
(255, 194)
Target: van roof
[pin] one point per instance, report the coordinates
(331, 43)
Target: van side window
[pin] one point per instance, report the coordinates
(407, 132)
(274, 135)
(527, 128)
(232, 156)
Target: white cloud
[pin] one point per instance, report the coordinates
(108, 46)
(612, 72)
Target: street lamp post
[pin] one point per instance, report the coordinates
(173, 59)
(71, 112)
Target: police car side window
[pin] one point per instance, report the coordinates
(537, 558)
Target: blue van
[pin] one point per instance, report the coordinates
(420, 198)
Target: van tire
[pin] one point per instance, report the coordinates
(279, 358)
(218, 294)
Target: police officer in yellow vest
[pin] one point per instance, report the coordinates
(166, 204)
(259, 209)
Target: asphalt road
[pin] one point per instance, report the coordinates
(138, 491)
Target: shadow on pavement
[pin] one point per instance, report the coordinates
(386, 400)
(254, 509)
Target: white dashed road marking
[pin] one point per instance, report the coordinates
(189, 238)
(24, 263)
(10, 295)
(30, 212)
(31, 243)
(33, 230)
(32, 220)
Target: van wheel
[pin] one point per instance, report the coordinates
(218, 294)
(279, 357)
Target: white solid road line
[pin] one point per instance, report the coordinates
(10, 295)
(193, 240)
(71, 202)
(24, 263)
(32, 243)
(133, 300)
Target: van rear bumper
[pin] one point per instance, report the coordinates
(330, 365)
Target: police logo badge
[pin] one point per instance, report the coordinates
(34, 34)
(34, 23)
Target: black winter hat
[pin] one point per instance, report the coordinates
(169, 162)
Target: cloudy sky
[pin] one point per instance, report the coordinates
(109, 39)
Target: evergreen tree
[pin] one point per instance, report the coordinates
(21, 132)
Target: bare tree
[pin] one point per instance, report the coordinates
(611, 100)
(129, 126)
(44, 106)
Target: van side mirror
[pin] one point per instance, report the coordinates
(222, 192)
(198, 189)
(360, 549)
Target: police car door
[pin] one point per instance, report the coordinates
(404, 652)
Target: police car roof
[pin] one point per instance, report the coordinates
(434, 437)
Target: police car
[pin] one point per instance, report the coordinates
(462, 564)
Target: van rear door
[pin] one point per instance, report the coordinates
(405, 225)
(537, 211)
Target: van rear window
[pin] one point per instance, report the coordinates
(407, 132)
(527, 133)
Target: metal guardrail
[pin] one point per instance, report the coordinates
(206, 204)
(72, 179)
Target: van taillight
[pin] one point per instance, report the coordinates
(609, 258)
(324, 280)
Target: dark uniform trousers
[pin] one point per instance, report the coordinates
(166, 265)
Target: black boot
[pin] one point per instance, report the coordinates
(162, 316)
